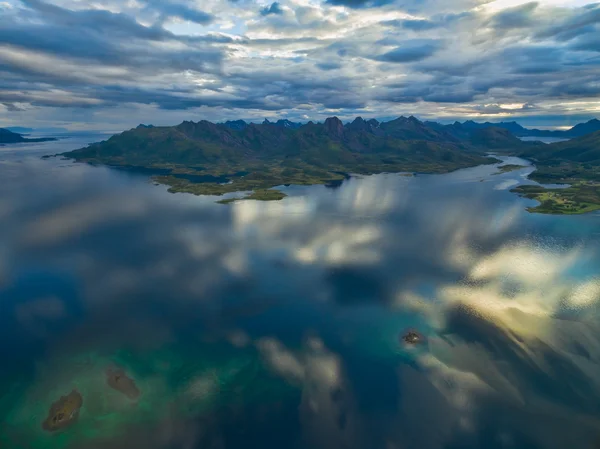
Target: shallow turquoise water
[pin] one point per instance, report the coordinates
(278, 325)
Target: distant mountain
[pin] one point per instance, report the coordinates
(583, 128)
(462, 129)
(19, 129)
(23, 130)
(7, 136)
(482, 135)
(412, 128)
(568, 162)
(283, 123)
(495, 138)
(584, 150)
(238, 125)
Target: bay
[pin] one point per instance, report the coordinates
(280, 324)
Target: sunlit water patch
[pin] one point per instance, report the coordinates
(288, 324)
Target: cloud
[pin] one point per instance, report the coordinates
(168, 9)
(295, 60)
(360, 3)
(519, 17)
(275, 8)
(11, 107)
(411, 51)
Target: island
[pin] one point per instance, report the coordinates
(412, 338)
(508, 168)
(63, 412)
(575, 199)
(205, 158)
(7, 137)
(118, 380)
(574, 163)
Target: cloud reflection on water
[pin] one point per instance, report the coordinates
(512, 356)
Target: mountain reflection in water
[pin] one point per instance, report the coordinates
(279, 325)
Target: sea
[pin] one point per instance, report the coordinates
(276, 325)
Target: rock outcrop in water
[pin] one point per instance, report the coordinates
(412, 338)
(63, 412)
(118, 380)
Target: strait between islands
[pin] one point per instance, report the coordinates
(204, 158)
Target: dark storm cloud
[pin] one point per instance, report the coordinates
(11, 107)
(168, 9)
(96, 39)
(92, 23)
(416, 24)
(360, 3)
(96, 20)
(435, 21)
(519, 17)
(324, 57)
(411, 51)
(275, 8)
(412, 6)
(540, 59)
(581, 22)
(329, 65)
(589, 42)
(428, 92)
(105, 37)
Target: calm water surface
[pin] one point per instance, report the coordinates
(277, 325)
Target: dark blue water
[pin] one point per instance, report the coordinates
(279, 324)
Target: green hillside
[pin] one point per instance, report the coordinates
(575, 162)
(260, 157)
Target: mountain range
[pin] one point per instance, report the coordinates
(460, 129)
(208, 158)
(7, 136)
(332, 141)
(262, 156)
(24, 130)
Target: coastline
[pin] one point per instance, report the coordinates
(261, 180)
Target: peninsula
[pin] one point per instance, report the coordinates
(575, 162)
(204, 158)
(7, 136)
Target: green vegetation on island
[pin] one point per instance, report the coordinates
(63, 412)
(575, 162)
(576, 199)
(259, 195)
(208, 159)
(508, 168)
(204, 158)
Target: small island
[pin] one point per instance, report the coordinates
(118, 380)
(63, 412)
(508, 168)
(259, 195)
(412, 338)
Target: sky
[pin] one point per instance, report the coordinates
(112, 64)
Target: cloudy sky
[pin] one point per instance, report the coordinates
(112, 64)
